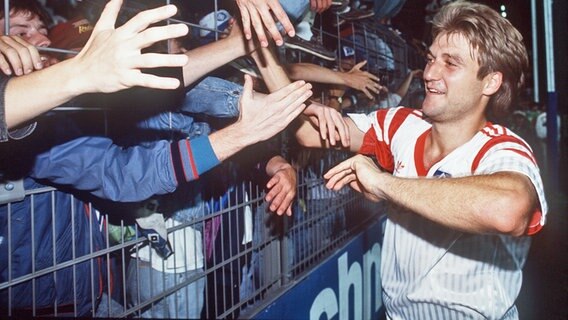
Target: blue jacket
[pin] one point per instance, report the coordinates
(60, 233)
(57, 155)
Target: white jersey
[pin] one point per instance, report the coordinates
(433, 272)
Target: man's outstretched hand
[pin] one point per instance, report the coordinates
(360, 173)
(112, 58)
(330, 123)
(258, 13)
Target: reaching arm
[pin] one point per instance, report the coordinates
(309, 135)
(201, 61)
(355, 78)
(97, 165)
(110, 61)
(329, 122)
(109, 171)
(403, 88)
(501, 203)
(261, 117)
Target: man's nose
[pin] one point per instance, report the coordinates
(431, 71)
(39, 40)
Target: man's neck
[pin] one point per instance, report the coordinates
(446, 137)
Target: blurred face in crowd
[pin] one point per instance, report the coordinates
(347, 64)
(29, 27)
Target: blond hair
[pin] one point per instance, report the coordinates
(499, 47)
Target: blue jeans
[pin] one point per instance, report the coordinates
(295, 9)
(184, 303)
(212, 97)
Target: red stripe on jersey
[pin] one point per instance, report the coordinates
(522, 153)
(372, 146)
(495, 141)
(421, 170)
(191, 160)
(398, 119)
(534, 224)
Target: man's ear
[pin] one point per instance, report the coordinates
(492, 83)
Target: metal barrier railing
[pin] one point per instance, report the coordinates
(244, 255)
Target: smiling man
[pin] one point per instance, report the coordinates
(467, 192)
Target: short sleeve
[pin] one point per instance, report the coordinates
(514, 157)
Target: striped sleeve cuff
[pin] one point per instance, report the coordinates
(191, 158)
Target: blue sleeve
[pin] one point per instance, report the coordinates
(108, 171)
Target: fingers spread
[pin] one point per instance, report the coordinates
(145, 18)
(245, 18)
(284, 20)
(256, 22)
(373, 77)
(270, 26)
(367, 93)
(360, 65)
(108, 16)
(152, 35)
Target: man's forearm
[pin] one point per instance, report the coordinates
(273, 73)
(209, 57)
(228, 141)
(498, 203)
(313, 73)
(33, 94)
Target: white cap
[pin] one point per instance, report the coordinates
(208, 21)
